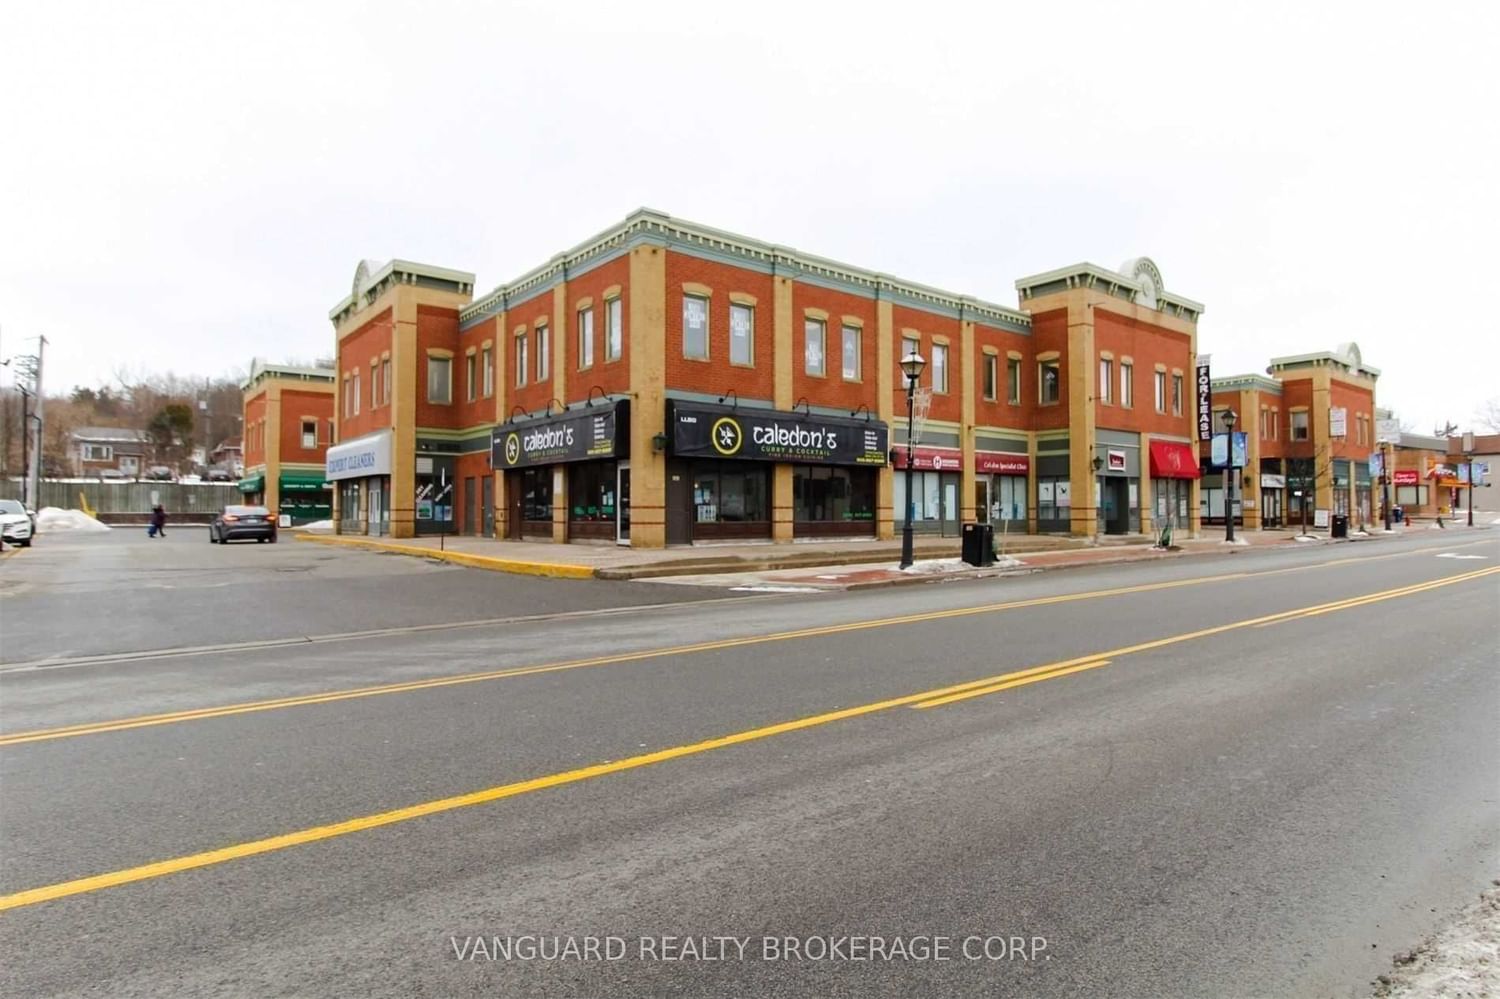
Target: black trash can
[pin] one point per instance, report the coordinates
(1340, 527)
(979, 544)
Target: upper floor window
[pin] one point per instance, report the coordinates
(991, 376)
(585, 338)
(940, 367)
(909, 345)
(471, 377)
(1049, 374)
(1176, 394)
(814, 332)
(354, 390)
(523, 363)
(1106, 380)
(487, 378)
(374, 383)
(741, 334)
(1127, 384)
(1013, 380)
(385, 380)
(695, 327)
(614, 330)
(309, 435)
(439, 379)
(1299, 425)
(1160, 391)
(97, 452)
(851, 352)
(543, 353)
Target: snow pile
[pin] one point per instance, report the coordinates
(1237, 542)
(936, 566)
(1463, 959)
(54, 520)
(317, 525)
(1306, 537)
(768, 588)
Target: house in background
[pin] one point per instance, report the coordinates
(228, 455)
(96, 451)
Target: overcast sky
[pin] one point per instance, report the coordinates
(184, 186)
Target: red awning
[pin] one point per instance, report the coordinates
(1171, 460)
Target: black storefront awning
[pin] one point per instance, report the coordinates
(702, 430)
(593, 432)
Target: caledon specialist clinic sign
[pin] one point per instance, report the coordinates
(705, 431)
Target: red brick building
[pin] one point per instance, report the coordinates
(669, 383)
(288, 425)
(1309, 432)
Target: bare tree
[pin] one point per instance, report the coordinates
(1487, 416)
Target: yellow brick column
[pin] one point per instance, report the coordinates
(1322, 441)
(501, 354)
(1078, 366)
(783, 341)
(967, 477)
(885, 388)
(403, 416)
(273, 446)
(646, 337)
(559, 504)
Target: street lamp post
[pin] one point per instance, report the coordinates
(911, 366)
(1228, 418)
(1469, 460)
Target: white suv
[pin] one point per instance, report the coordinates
(16, 525)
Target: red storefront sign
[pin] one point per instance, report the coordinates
(931, 459)
(1171, 460)
(1406, 477)
(1001, 463)
(951, 459)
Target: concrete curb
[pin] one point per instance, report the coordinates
(556, 570)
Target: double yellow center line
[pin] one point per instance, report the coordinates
(925, 699)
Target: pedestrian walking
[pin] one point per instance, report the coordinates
(158, 528)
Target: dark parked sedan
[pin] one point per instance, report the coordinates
(237, 522)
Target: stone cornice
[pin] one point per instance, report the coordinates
(658, 228)
(1102, 279)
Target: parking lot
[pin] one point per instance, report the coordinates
(77, 595)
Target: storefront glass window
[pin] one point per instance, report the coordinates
(536, 493)
(729, 492)
(591, 491)
(823, 493)
(1054, 499)
(1008, 499)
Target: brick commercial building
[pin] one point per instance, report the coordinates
(1309, 433)
(668, 383)
(288, 414)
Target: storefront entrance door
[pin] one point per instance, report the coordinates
(622, 504)
(1117, 506)
(489, 506)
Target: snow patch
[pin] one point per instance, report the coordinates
(767, 588)
(937, 566)
(54, 520)
(1462, 959)
(1237, 542)
(1306, 537)
(317, 525)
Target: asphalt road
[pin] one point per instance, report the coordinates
(77, 595)
(1255, 775)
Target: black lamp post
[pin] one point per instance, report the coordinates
(1228, 418)
(1469, 459)
(911, 366)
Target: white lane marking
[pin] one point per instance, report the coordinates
(1457, 555)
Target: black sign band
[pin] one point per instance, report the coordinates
(704, 431)
(579, 435)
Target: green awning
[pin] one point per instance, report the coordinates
(302, 482)
(253, 484)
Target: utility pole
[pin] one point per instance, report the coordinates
(36, 456)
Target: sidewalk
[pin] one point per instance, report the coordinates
(814, 565)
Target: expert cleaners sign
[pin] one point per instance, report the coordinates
(703, 431)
